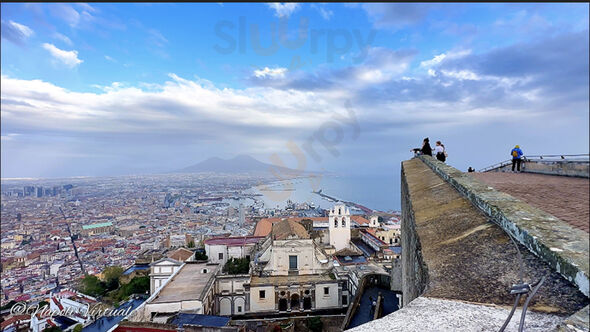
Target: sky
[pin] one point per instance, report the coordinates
(112, 89)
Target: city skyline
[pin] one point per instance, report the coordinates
(108, 89)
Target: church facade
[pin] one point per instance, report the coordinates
(291, 273)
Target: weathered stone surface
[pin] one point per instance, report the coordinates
(452, 251)
(430, 314)
(414, 270)
(396, 275)
(563, 247)
(578, 322)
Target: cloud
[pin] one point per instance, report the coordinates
(15, 32)
(283, 9)
(270, 72)
(533, 85)
(9, 137)
(109, 58)
(68, 58)
(179, 105)
(325, 13)
(380, 65)
(156, 38)
(555, 66)
(67, 14)
(437, 59)
(63, 38)
(396, 15)
(86, 7)
(156, 43)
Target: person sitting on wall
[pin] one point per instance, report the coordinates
(441, 153)
(426, 149)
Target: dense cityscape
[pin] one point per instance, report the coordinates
(52, 229)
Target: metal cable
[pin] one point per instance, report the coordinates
(526, 303)
(520, 277)
(511, 313)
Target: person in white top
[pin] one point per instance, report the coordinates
(440, 152)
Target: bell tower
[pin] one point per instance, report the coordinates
(339, 226)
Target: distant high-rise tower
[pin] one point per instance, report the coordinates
(39, 191)
(167, 199)
(339, 226)
(242, 215)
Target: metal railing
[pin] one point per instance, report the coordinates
(545, 157)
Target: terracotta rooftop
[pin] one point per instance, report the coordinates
(360, 219)
(564, 197)
(264, 225)
(181, 254)
(287, 228)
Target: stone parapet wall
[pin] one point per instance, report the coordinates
(557, 243)
(414, 270)
(571, 168)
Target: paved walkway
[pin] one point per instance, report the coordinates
(564, 197)
(364, 313)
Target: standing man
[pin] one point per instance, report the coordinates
(516, 157)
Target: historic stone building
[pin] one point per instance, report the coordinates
(291, 273)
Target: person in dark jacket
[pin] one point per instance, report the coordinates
(426, 149)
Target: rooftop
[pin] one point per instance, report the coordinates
(564, 197)
(181, 254)
(201, 320)
(102, 224)
(289, 280)
(188, 284)
(264, 225)
(286, 229)
(234, 241)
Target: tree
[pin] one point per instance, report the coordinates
(201, 256)
(137, 285)
(111, 276)
(315, 324)
(191, 244)
(78, 328)
(8, 305)
(237, 266)
(92, 286)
